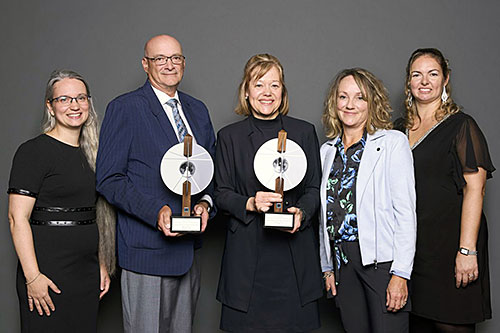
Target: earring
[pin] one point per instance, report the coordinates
(444, 95)
(410, 101)
(246, 96)
(51, 114)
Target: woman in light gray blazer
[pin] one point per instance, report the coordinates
(368, 220)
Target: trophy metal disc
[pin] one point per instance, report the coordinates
(175, 168)
(269, 164)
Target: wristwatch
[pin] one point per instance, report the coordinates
(467, 252)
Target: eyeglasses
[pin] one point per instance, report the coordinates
(177, 59)
(81, 99)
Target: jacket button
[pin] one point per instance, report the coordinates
(286, 203)
(378, 149)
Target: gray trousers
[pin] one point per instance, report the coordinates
(157, 304)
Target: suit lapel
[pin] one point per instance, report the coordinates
(371, 155)
(327, 165)
(157, 109)
(190, 115)
(328, 160)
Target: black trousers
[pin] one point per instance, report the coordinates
(361, 296)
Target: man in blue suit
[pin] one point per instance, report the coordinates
(160, 270)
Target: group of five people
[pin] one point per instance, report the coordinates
(376, 240)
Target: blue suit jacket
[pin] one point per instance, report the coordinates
(135, 135)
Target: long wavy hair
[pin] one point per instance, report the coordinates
(373, 91)
(89, 143)
(256, 67)
(445, 108)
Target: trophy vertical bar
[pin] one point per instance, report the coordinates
(278, 206)
(282, 141)
(186, 198)
(186, 186)
(188, 145)
(279, 184)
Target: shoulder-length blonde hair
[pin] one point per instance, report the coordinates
(447, 107)
(255, 68)
(373, 92)
(89, 142)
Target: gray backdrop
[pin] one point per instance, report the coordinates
(103, 41)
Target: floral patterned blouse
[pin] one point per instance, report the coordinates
(342, 224)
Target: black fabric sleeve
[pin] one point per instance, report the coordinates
(226, 197)
(309, 202)
(472, 149)
(28, 170)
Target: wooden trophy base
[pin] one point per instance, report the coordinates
(185, 224)
(283, 221)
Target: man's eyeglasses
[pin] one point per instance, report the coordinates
(177, 59)
(81, 99)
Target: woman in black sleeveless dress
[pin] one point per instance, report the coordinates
(450, 279)
(52, 214)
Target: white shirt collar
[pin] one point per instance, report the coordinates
(163, 97)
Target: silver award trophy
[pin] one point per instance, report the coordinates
(280, 164)
(186, 169)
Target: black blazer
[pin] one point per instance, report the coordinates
(235, 180)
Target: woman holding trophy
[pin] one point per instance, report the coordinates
(270, 278)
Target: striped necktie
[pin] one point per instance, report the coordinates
(181, 127)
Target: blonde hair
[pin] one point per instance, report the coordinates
(255, 68)
(373, 92)
(446, 108)
(89, 143)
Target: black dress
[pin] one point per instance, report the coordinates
(454, 146)
(60, 179)
(270, 280)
